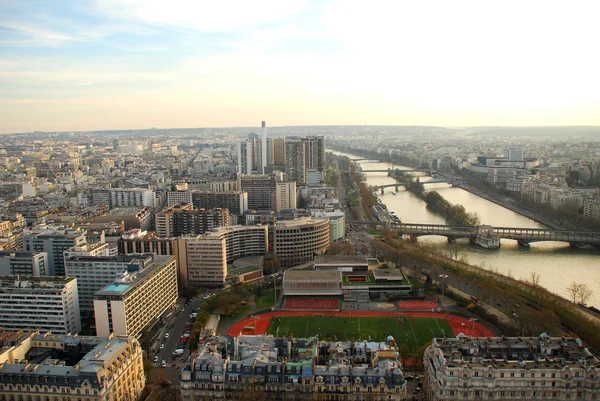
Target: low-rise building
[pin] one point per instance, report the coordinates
(48, 366)
(39, 303)
(136, 297)
(131, 217)
(511, 369)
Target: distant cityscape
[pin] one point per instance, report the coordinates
(270, 263)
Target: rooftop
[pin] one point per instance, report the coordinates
(513, 352)
(126, 281)
(345, 260)
(312, 275)
(71, 358)
(126, 211)
(301, 222)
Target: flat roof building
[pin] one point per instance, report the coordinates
(310, 283)
(96, 272)
(343, 263)
(207, 255)
(298, 241)
(39, 303)
(128, 305)
(131, 217)
(49, 366)
(54, 242)
(23, 263)
(183, 219)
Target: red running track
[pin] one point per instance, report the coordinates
(418, 305)
(458, 324)
(324, 304)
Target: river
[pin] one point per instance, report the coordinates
(557, 263)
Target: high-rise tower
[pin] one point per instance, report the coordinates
(264, 147)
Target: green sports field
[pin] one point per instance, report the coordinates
(414, 331)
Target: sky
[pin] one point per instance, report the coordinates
(122, 64)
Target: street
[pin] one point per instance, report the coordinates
(175, 327)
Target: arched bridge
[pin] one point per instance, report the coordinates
(489, 237)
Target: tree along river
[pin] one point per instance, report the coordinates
(557, 263)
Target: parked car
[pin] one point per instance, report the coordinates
(166, 335)
(161, 346)
(155, 359)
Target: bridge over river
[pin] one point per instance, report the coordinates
(489, 237)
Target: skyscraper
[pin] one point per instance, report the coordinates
(264, 148)
(279, 151)
(295, 160)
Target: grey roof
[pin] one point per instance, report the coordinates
(313, 275)
(345, 260)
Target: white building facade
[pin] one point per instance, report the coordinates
(39, 303)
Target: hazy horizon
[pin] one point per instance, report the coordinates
(116, 65)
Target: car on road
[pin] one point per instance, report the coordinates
(163, 364)
(161, 346)
(166, 335)
(155, 359)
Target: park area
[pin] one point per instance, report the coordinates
(412, 331)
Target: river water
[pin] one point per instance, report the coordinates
(557, 263)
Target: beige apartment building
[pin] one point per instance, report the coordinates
(510, 369)
(128, 305)
(47, 367)
(208, 254)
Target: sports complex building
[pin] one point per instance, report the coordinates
(337, 279)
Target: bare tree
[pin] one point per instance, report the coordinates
(534, 279)
(579, 292)
(573, 291)
(585, 293)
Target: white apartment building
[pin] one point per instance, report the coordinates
(510, 369)
(72, 368)
(285, 196)
(591, 208)
(53, 241)
(178, 197)
(39, 303)
(123, 197)
(127, 306)
(207, 255)
(96, 272)
(23, 263)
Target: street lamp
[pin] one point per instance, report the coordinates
(443, 277)
(473, 320)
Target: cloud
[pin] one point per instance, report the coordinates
(40, 35)
(206, 16)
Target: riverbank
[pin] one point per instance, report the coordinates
(510, 206)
